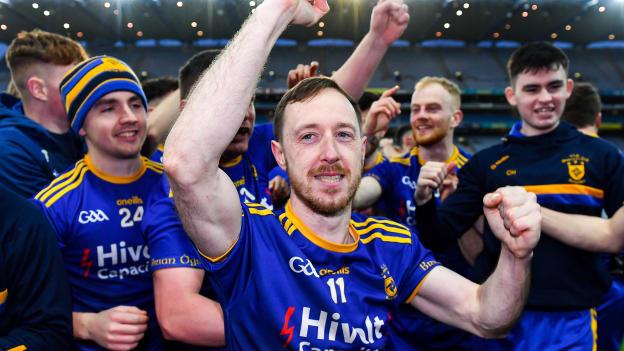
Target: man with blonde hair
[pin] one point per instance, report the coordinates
(36, 144)
(389, 187)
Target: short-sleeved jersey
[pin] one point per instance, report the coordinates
(398, 177)
(104, 226)
(250, 171)
(283, 286)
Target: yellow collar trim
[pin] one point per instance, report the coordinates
(379, 159)
(454, 155)
(112, 178)
(231, 163)
(319, 241)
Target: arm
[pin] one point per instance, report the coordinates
(490, 309)
(118, 328)
(193, 319)
(367, 193)
(160, 121)
(39, 300)
(586, 232)
(388, 21)
(205, 196)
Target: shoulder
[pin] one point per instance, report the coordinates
(379, 230)
(63, 184)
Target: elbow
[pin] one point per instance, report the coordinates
(170, 329)
(181, 169)
(492, 332)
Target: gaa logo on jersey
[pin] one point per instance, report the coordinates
(92, 216)
(389, 284)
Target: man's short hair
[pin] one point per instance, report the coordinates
(367, 100)
(450, 87)
(304, 91)
(39, 47)
(582, 106)
(192, 70)
(534, 57)
(159, 87)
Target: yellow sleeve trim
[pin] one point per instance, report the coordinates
(19, 348)
(417, 288)
(3, 295)
(386, 228)
(219, 258)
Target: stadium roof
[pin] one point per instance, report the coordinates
(465, 22)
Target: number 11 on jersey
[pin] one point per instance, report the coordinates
(334, 285)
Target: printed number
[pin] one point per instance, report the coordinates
(332, 289)
(128, 219)
(248, 196)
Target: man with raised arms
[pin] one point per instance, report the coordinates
(313, 275)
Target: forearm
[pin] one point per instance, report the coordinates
(583, 232)
(161, 121)
(217, 105)
(353, 76)
(367, 194)
(501, 299)
(194, 319)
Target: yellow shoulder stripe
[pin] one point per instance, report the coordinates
(401, 160)
(265, 212)
(18, 348)
(377, 220)
(68, 188)
(61, 181)
(155, 169)
(153, 163)
(253, 204)
(391, 239)
(396, 230)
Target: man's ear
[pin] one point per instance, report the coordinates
(278, 153)
(456, 118)
(510, 96)
(37, 88)
(82, 132)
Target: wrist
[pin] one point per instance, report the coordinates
(376, 41)
(81, 322)
(522, 257)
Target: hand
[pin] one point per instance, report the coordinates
(389, 20)
(515, 218)
(431, 177)
(305, 12)
(280, 190)
(118, 328)
(449, 185)
(381, 113)
(301, 72)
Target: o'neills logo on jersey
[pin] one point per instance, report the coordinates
(325, 326)
(135, 200)
(134, 258)
(576, 168)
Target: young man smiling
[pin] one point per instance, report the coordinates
(568, 171)
(313, 275)
(103, 214)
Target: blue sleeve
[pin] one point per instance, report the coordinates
(278, 171)
(230, 272)
(33, 270)
(614, 191)
(417, 262)
(20, 170)
(57, 219)
(169, 246)
(260, 148)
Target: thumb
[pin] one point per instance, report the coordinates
(313, 68)
(450, 167)
(492, 200)
(322, 5)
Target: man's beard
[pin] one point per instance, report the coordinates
(304, 192)
(436, 136)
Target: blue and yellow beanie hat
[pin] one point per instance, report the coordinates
(91, 79)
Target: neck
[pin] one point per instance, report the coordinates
(115, 166)
(527, 130)
(334, 229)
(41, 114)
(439, 152)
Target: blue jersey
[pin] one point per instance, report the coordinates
(283, 286)
(157, 156)
(398, 177)
(104, 225)
(250, 171)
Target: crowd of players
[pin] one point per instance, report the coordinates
(339, 229)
